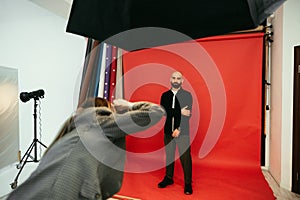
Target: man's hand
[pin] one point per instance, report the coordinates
(185, 111)
(176, 133)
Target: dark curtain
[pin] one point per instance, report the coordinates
(102, 19)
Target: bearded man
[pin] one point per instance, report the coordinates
(177, 103)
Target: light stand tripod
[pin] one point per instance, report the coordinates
(33, 146)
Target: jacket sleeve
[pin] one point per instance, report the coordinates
(141, 116)
(189, 102)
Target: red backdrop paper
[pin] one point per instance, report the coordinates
(238, 60)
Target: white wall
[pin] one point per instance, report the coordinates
(276, 96)
(35, 42)
(291, 38)
(286, 36)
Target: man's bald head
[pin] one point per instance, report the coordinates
(176, 80)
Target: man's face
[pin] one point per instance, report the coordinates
(176, 80)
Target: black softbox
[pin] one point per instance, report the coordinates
(107, 20)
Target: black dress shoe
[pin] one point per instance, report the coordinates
(188, 189)
(164, 183)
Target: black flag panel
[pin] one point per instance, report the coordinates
(102, 19)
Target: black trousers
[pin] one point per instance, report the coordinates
(183, 144)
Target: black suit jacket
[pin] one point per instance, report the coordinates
(183, 98)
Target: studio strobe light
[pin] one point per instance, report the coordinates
(26, 96)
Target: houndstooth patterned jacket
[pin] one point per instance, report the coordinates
(88, 162)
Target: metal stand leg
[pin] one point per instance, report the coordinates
(27, 154)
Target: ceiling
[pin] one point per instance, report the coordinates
(58, 7)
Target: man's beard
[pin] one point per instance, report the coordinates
(176, 85)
